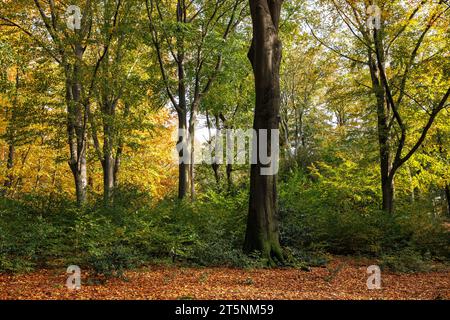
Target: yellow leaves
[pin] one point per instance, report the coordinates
(11, 73)
(151, 166)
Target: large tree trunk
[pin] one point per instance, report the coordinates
(265, 55)
(388, 195)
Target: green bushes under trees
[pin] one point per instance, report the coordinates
(318, 216)
(338, 214)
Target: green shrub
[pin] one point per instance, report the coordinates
(327, 214)
(406, 261)
(112, 262)
(339, 215)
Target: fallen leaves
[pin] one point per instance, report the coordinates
(341, 279)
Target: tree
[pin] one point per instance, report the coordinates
(117, 31)
(265, 56)
(68, 50)
(395, 86)
(23, 98)
(187, 38)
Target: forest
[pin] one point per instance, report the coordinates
(325, 125)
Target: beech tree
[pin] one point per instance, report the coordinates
(396, 87)
(187, 38)
(67, 48)
(265, 56)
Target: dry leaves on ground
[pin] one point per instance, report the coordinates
(341, 279)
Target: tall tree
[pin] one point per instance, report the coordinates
(394, 51)
(68, 50)
(265, 56)
(117, 31)
(188, 38)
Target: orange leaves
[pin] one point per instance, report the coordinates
(222, 283)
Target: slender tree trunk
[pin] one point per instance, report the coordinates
(387, 182)
(77, 133)
(117, 163)
(11, 134)
(442, 153)
(215, 165)
(119, 152)
(182, 167)
(229, 157)
(229, 175)
(192, 120)
(108, 162)
(108, 178)
(265, 55)
(447, 196)
(10, 165)
(182, 105)
(80, 176)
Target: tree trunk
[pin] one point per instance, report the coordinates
(387, 181)
(108, 178)
(117, 162)
(11, 138)
(109, 161)
(229, 157)
(182, 167)
(77, 119)
(192, 120)
(388, 195)
(80, 177)
(119, 152)
(10, 165)
(215, 168)
(262, 233)
(447, 195)
(229, 176)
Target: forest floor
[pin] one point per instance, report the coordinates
(342, 278)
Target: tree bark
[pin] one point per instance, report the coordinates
(447, 195)
(182, 167)
(192, 119)
(229, 162)
(387, 183)
(108, 178)
(77, 119)
(215, 166)
(11, 138)
(10, 165)
(109, 160)
(262, 233)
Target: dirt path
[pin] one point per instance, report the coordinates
(341, 279)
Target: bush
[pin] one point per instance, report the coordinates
(27, 239)
(108, 240)
(406, 261)
(339, 215)
(112, 262)
(327, 214)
